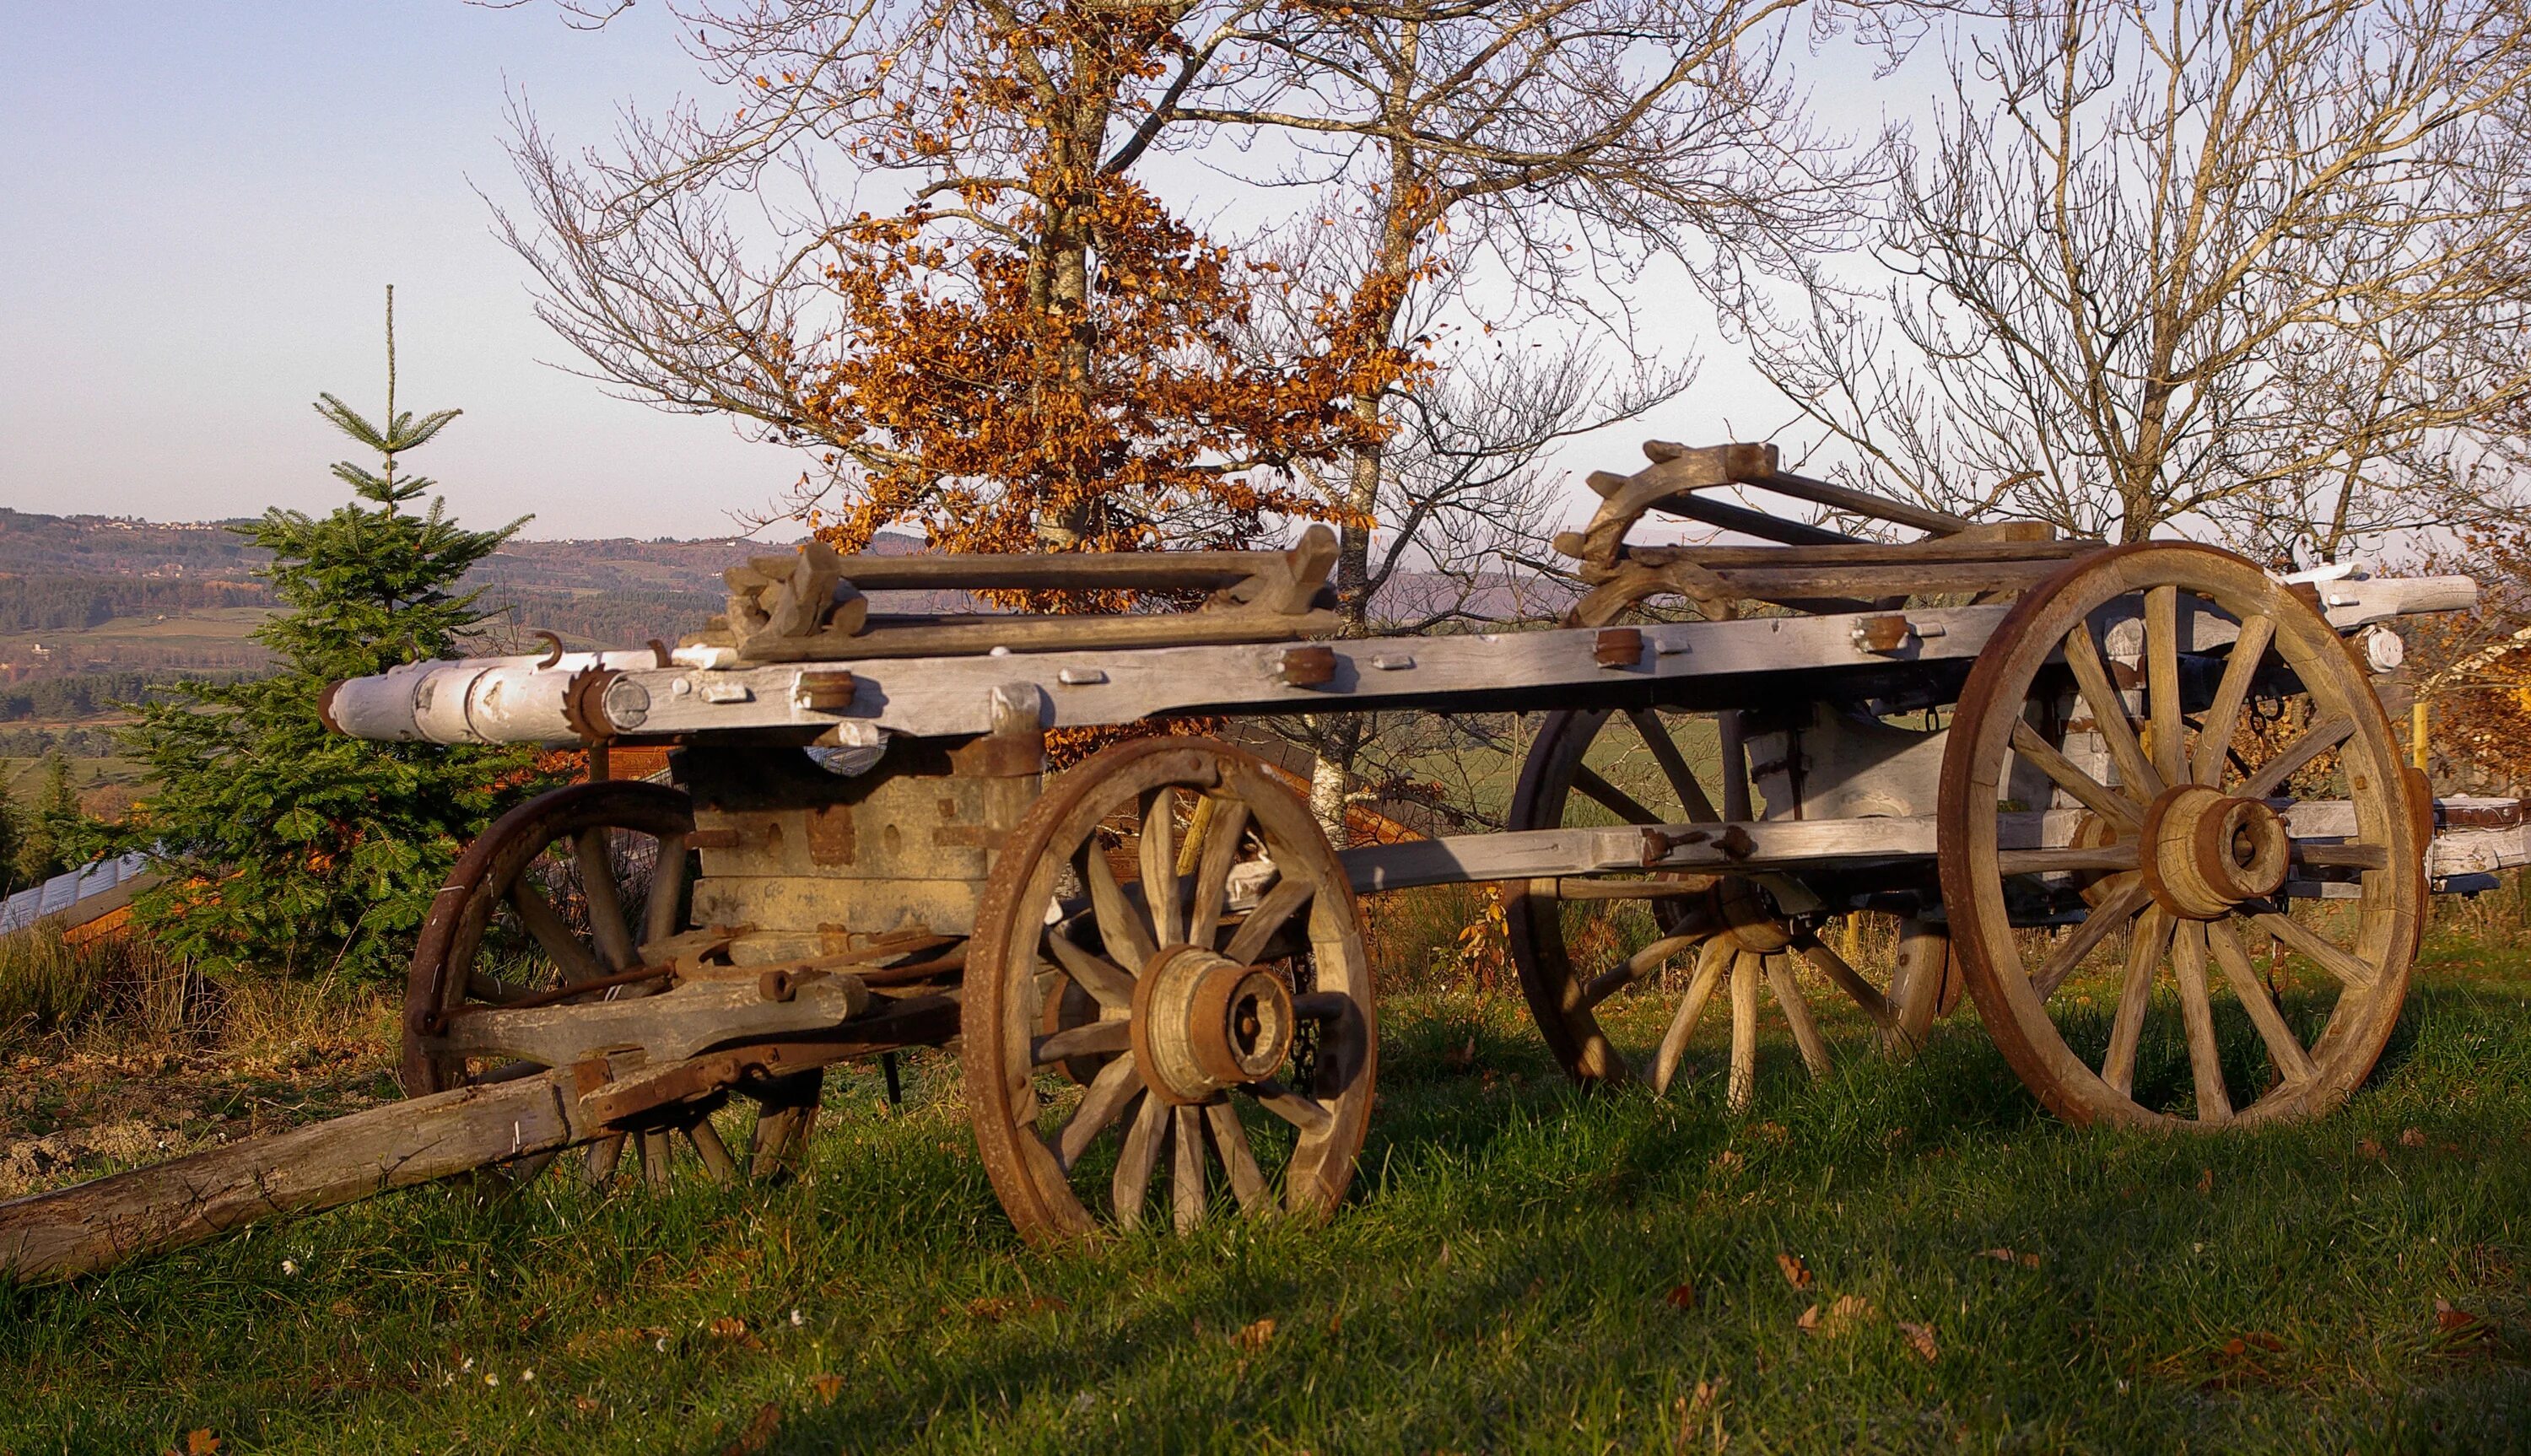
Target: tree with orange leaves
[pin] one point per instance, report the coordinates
(1030, 353)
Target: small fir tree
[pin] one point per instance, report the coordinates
(46, 840)
(13, 839)
(285, 847)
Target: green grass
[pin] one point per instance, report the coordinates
(1502, 1279)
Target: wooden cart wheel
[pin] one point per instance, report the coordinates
(565, 889)
(1233, 1038)
(1602, 767)
(2188, 841)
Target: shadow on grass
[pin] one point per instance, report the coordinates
(1521, 1266)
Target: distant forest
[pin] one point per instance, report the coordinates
(58, 603)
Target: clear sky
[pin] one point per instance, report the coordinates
(201, 204)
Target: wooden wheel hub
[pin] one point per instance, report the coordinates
(2206, 851)
(1748, 916)
(1204, 1023)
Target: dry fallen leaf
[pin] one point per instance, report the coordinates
(1921, 1336)
(584, 1405)
(1843, 1315)
(1796, 1273)
(2368, 1147)
(2030, 1260)
(1680, 1297)
(1773, 1132)
(1252, 1338)
(1727, 1161)
(2000, 1256)
(1464, 1055)
(2206, 1181)
(827, 1387)
(729, 1327)
(201, 1443)
(1808, 1320)
(2456, 1324)
(759, 1432)
(2411, 1137)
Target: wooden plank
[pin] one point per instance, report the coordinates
(1746, 521)
(70, 1231)
(1042, 633)
(1864, 503)
(1879, 580)
(1749, 847)
(1938, 550)
(513, 700)
(949, 697)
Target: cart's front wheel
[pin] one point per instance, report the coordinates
(561, 893)
(1168, 998)
(2235, 918)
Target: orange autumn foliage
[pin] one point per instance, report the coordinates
(1048, 359)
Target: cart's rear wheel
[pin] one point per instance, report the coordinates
(1168, 972)
(1602, 767)
(566, 889)
(2189, 836)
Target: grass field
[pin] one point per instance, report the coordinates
(1908, 1258)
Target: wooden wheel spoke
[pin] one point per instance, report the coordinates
(1610, 796)
(663, 913)
(1238, 1160)
(2095, 795)
(1186, 1169)
(1158, 856)
(599, 1160)
(2146, 945)
(659, 1159)
(1710, 961)
(2317, 740)
(2110, 711)
(1743, 1087)
(2223, 714)
(554, 935)
(711, 1150)
(1117, 1084)
(607, 923)
(1109, 985)
(1306, 1114)
(1787, 991)
(1121, 928)
(1223, 829)
(2205, 1056)
(1673, 766)
(2162, 681)
(1635, 967)
(2293, 1063)
(1096, 1038)
(2108, 916)
(1130, 1184)
(1847, 979)
(2313, 946)
(1279, 905)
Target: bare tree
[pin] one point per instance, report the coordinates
(1463, 165)
(2257, 262)
(1493, 168)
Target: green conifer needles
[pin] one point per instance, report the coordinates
(287, 848)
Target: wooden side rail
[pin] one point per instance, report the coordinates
(812, 605)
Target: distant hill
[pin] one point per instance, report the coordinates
(91, 606)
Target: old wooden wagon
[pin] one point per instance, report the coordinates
(2026, 749)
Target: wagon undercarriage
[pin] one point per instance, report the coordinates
(2034, 752)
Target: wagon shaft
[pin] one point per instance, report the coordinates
(101, 1222)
